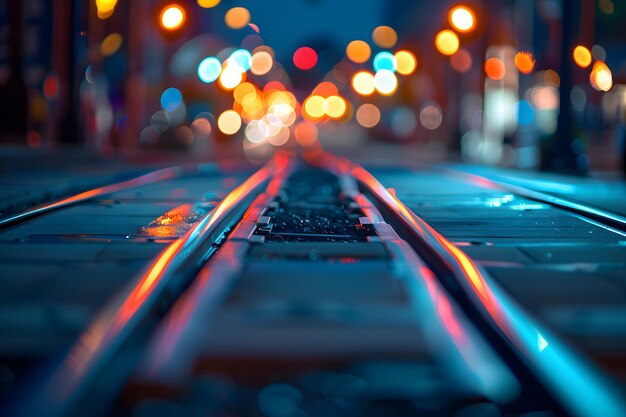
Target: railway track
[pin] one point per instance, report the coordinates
(311, 289)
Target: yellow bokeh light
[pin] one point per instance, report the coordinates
(245, 93)
(105, 8)
(172, 17)
(363, 83)
(601, 77)
(407, 63)
(314, 107)
(582, 56)
(229, 122)
(262, 62)
(207, 4)
(358, 51)
(111, 44)
(524, 62)
(447, 42)
(335, 107)
(237, 17)
(368, 115)
(385, 37)
(462, 18)
(230, 77)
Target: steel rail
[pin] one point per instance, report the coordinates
(69, 384)
(152, 177)
(603, 217)
(564, 373)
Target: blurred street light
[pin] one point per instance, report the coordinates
(447, 42)
(462, 18)
(582, 56)
(172, 17)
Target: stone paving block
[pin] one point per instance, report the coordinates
(497, 254)
(589, 253)
(19, 279)
(58, 252)
(536, 288)
(130, 251)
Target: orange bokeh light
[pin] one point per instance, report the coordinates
(172, 17)
(494, 68)
(358, 51)
(524, 62)
(582, 56)
(385, 36)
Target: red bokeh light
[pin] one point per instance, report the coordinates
(305, 58)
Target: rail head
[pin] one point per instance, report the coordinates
(564, 372)
(123, 314)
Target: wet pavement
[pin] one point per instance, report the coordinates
(567, 271)
(58, 269)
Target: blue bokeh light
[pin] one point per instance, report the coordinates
(243, 58)
(209, 69)
(385, 60)
(171, 99)
(525, 113)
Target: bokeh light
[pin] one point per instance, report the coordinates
(306, 133)
(111, 44)
(305, 58)
(551, 77)
(385, 60)
(524, 62)
(385, 36)
(430, 116)
(105, 8)
(525, 113)
(447, 42)
(314, 107)
(495, 69)
(358, 51)
(231, 76)
(582, 56)
(462, 18)
(385, 82)
(363, 83)
(229, 122)
(403, 122)
(237, 17)
(335, 107)
(601, 77)
(368, 115)
(461, 61)
(242, 58)
(598, 53)
(172, 17)
(406, 62)
(262, 62)
(326, 89)
(544, 97)
(209, 69)
(207, 4)
(171, 99)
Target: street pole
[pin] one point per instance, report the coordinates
(562, 157)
